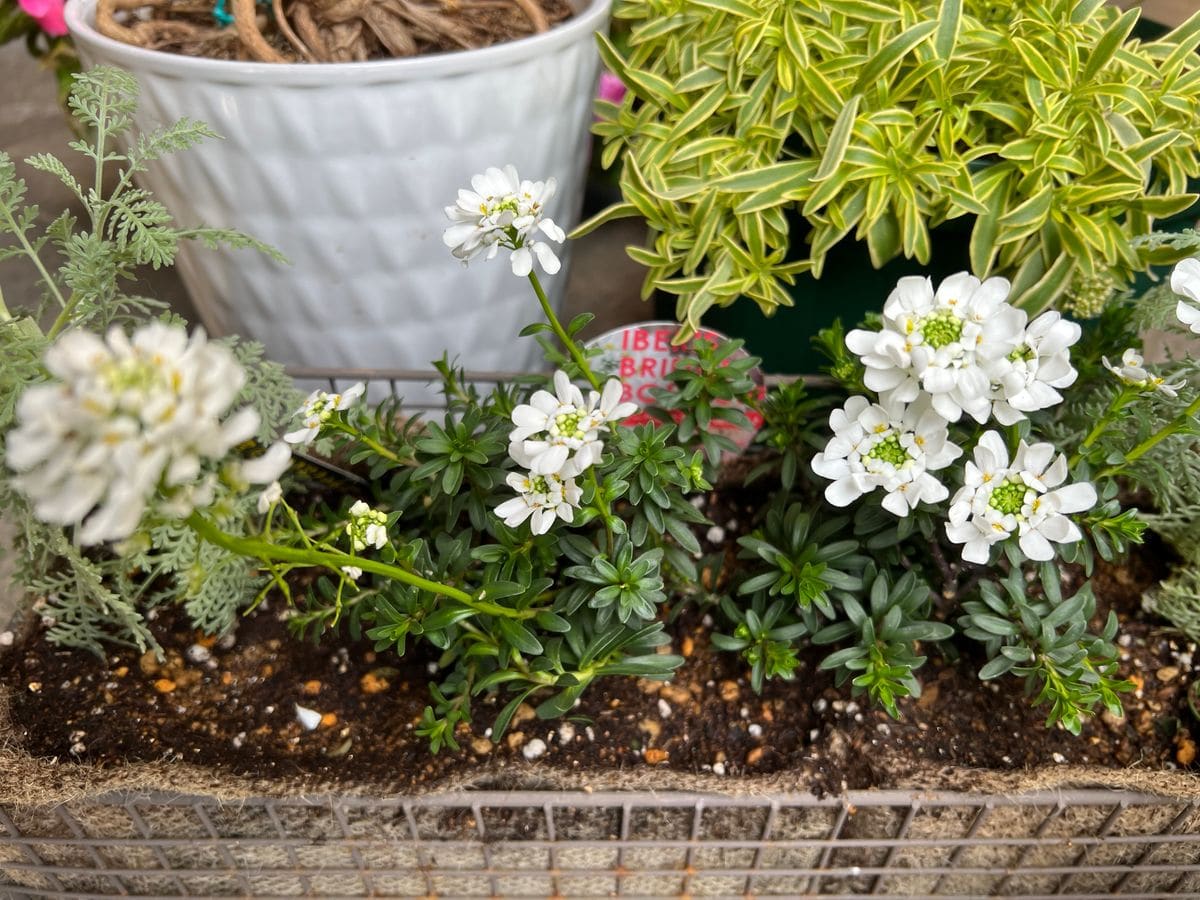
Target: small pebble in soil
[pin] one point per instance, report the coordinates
(591, 734)
(664, 708)
(227, 641)
(6, 638)
(534, 749)
(198, 653)
(755, 730)
(715, 535)
(820, 705)
(481, 746)
(566, 732)
(34, 686)
(1058, 758)
(309, 719)
(718, 768)
(238, 740)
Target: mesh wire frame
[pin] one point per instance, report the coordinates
(1065, 844)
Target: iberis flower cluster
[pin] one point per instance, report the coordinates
(556, 439)
(499, 211)
(956, 353)
(130, 419)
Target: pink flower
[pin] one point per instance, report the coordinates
(612, 88)
(48, 14)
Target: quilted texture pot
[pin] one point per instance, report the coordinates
(346, 168)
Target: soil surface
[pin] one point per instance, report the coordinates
(232, 704)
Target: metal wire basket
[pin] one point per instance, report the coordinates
(1071, 844)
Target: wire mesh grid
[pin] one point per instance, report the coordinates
(1073, 844)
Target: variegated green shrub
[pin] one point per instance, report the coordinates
(1062, 137)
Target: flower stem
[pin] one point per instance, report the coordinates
(27, 248)
(570, 345)
(333, 559)
(1178, 424)
(601, 501)
(370, 442)
(1119, 402)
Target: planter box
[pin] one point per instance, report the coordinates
(528, 830)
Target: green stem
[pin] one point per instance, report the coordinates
(571, 346)
(35, 259)
(1119, 402)
(5, 315)
(1174, 427)
(602, 506)
(333, 559)
(370, 442)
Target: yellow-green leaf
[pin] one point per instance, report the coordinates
(839, 140)
(707, 104)
(891, 53)
(1106, 48)
(949, 22)
(609, 214)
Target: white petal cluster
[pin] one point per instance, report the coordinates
(999, 499)
(367, 527)
(318, 409)
(127, 419)
(556, 438)
(540, 498)
(968, 349)
(1027, 377)
(1133, 372)
(939, 341)
(1185, 280)
(890, 447)
(501, 210)
(555, 428)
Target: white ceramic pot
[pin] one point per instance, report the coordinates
(346, 168)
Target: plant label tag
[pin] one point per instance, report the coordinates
(643, 357)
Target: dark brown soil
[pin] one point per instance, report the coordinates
(232, 705)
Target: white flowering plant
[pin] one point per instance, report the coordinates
(984, 460)
(533, 537)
